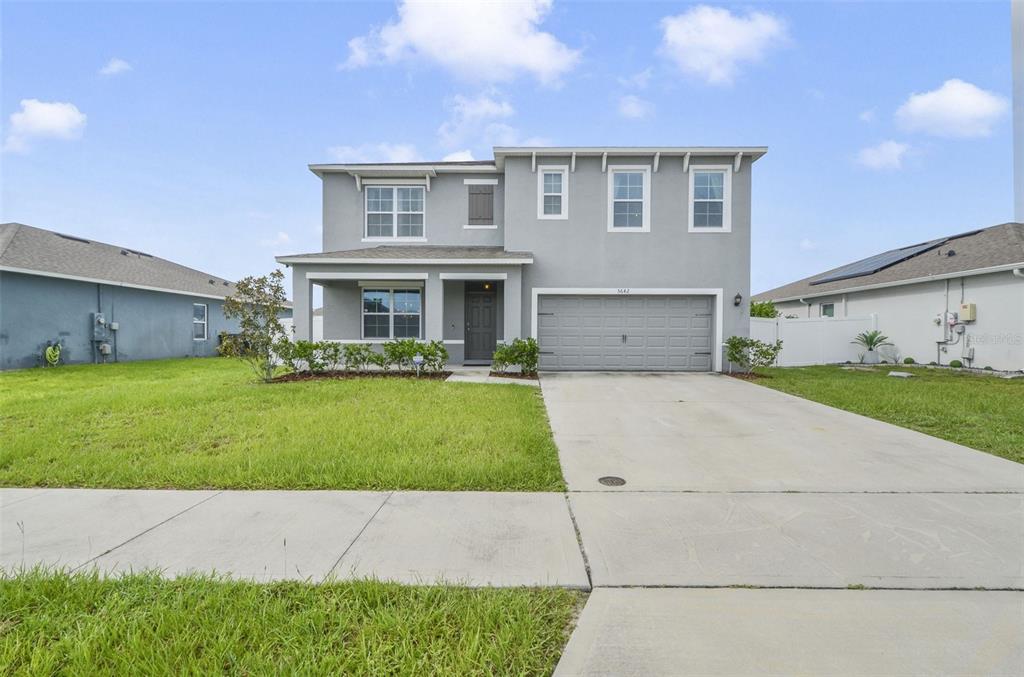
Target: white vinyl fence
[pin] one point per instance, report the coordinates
(809, 341)
(318, 327)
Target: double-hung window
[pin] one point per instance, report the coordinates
(552, 192)
(199, 311)
(392, 313)
(394, 212)
(629, 199)
(710, 198)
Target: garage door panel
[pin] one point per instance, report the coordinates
(661, 332)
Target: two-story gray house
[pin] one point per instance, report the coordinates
(612, 258)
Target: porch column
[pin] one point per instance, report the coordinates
(513, 301)
(302, 305)
(433, 301)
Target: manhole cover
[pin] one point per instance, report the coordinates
(611, 481)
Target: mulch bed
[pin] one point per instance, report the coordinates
(515, 374)
(308, 376)
(748, 376)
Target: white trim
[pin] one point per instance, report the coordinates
(480, 182)
(401, 262)
(205, 322)
(737, 161)
(393, 283)
(717, 339)
(366, 276)
(553, 169)
(646, 225)
(112, 283)
(454, 342)
(899, 283)
(474, 276)
(396, 181)
(686, 163)
(392, 239)
(726, 199)
(391, 310)
(572, 164)
(395, 237)
(479, 227)
(657, 161)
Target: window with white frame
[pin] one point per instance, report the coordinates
(552, 192)
(629, 204)
(710, 197)
(394, 212)
(828, 310)
(392, 313)
(199, 311)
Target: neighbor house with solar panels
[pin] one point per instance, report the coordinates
(101, 302)
(959, 297)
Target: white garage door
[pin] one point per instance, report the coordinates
(625, 332)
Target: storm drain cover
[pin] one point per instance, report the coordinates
(611, 481)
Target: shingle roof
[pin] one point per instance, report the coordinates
(29, 248)
(995, 246)
(414, 252)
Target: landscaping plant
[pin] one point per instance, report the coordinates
(763, 309)
(750, 354)
(522, 353)
(257, 304)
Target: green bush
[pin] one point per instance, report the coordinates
(435, 356)
(522, 353)
(933, 364)
(379, 360)
(988, 368)
(750, 353)
(357, 356)
(909, 360)
(400, 353)
(763, 309)
(956, 364)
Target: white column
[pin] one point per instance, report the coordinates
(433, 306)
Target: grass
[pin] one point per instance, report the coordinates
(982, 412)
(76, 624)
(203, 423)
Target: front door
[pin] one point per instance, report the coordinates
(481, 320)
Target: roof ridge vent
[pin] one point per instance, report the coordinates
(73, 238)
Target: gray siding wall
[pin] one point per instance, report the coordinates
(152, 325)
(446, 211)
(580, 252)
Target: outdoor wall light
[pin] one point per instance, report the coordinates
(738, 299)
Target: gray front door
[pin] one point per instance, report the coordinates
(625, 332)
(481, 321)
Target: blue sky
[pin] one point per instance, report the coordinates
(185, 129)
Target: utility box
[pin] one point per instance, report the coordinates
(100, 328)
(968, 312)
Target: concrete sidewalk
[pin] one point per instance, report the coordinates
(469, 538)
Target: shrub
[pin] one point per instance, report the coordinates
(988, 368)
(379, 360)
(257, 303)
(332, 355)
(933, 364)
(763, 309)
(909, 360)
(750, 353)
(522, 353)
(400, 353)
(871, 340)
(357, 356)
(435, 356)
(956, 364)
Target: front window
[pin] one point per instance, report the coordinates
(828, 310)
(709, 204)
(392, 313)
(394, 212)
(199, 311)
(630, 199)
(552, 192)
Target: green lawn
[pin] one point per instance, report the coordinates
(203, 423)
(53, 623)
(982, 412)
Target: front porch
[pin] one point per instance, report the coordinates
(471, 306)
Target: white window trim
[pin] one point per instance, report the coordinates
(480, 182)
(480, 227)
(206, 319)
(391, 312)
(553, 169)
(646, 169)
(726, 199)
(394, 211)
(821, 309)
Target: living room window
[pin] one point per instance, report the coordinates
(199, 312)
(629, 199)
(392, 313)
(394, 212)
(553, 192)
(710, 197)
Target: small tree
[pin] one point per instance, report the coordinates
(257, 303)
(750, 353)
(763, 309)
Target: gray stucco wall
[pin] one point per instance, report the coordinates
(446, 211)
(152, 325)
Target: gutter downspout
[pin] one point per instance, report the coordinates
(808, 304)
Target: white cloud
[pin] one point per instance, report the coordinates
(637, 80)
(280, 239)
(458, 156)
(634, 108)
(867, 115)
(115, 66)
(480, 41)
(886, 155)
(711, 42)
(956, 109)
(807, 245)
(379, 152)
(42, 119)
(481, 122)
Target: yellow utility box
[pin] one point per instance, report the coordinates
(968, 313)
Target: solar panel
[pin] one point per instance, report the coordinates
(878, 262)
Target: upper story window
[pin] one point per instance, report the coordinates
(394, 212)
(629, 198)
(199, 312)
(553, 192)
(710, 199)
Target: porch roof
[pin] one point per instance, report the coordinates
(414, 254)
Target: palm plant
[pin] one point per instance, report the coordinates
(871, 340)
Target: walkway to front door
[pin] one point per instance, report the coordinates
(481, 320)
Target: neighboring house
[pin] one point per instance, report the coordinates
(958, 297)
(101, 302)
(613, 258)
